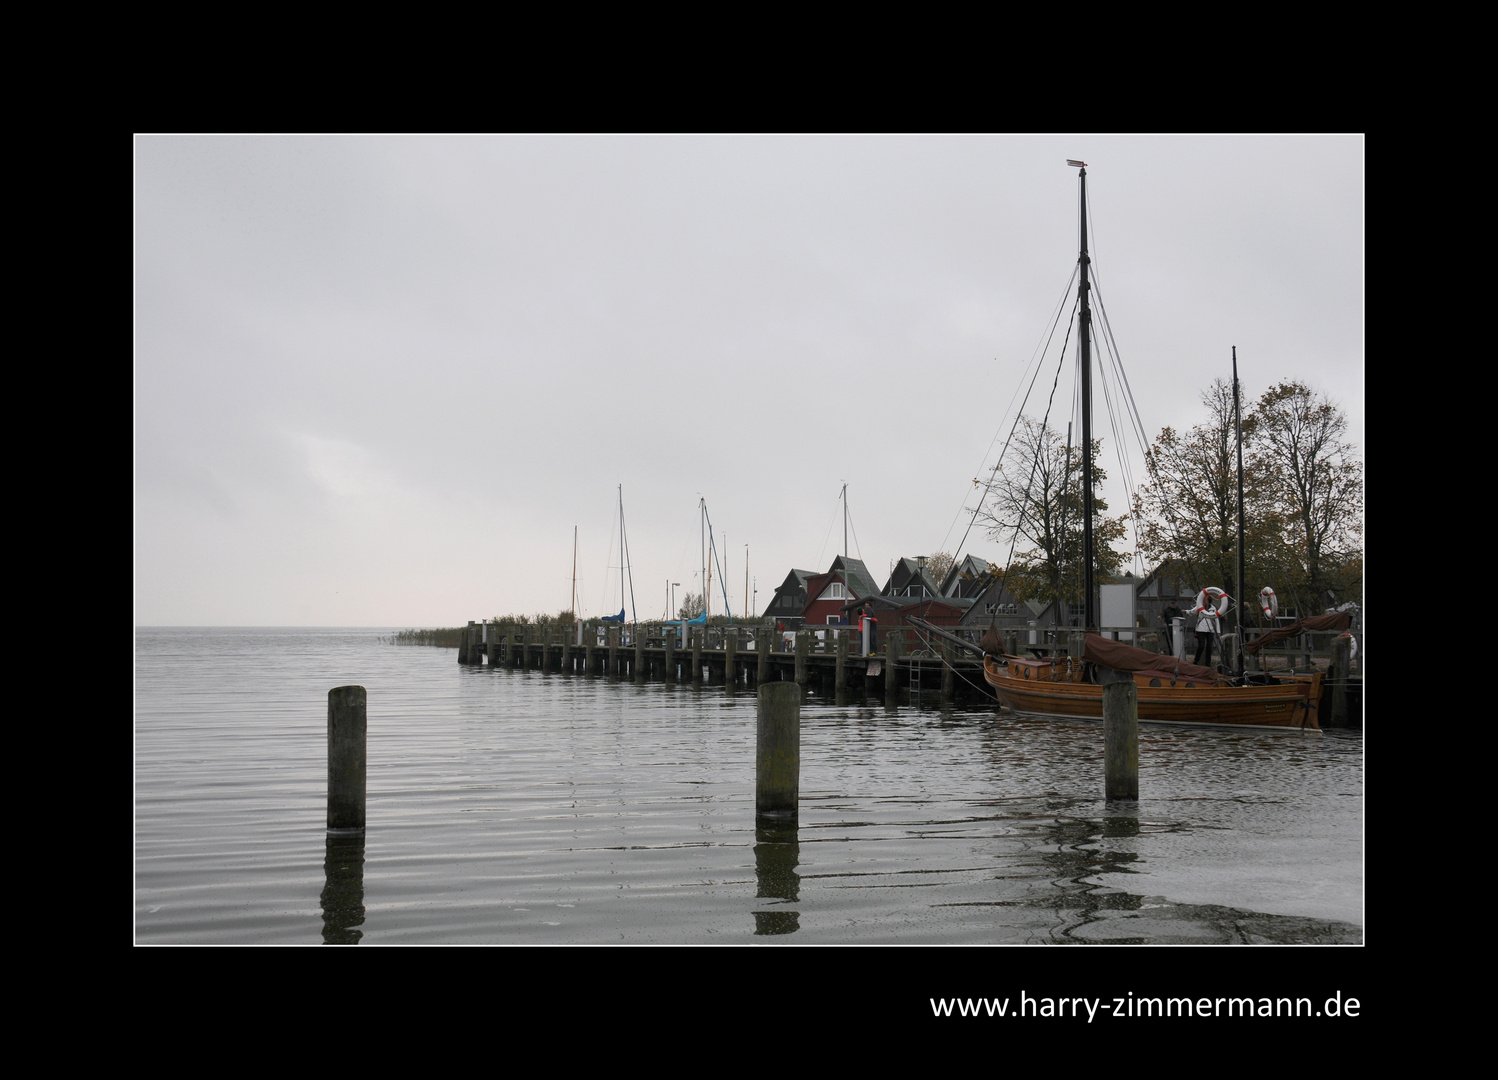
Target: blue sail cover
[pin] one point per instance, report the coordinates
(700, 620)
(614, 618)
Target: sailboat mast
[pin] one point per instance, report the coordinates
(845, 520)
(1084, 343)
(1238, 586)
(574, 573)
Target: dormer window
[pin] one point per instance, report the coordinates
(835, 591)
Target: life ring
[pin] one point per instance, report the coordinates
(1354, 642)
(1269, 604)
(1211, 601)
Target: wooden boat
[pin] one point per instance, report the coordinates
(1169, 691)
(1060, 688)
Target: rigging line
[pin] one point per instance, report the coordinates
(712, 550)
(1126, 475)
(624, 535)
(854, 527)
(603, 600)
(956, 555)
(1025, 503)
(1035, 358)
(831, 521)
(1117, 357)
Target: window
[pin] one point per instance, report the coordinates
(835, 591)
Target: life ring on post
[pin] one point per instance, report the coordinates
(1269, 604)
(1353, 655)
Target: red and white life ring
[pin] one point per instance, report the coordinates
(1211, 601)
(1354, 643)
(1269, 604)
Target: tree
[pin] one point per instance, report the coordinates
(938, 566)
(1035, 497)
(691, 606)
(1319, 482)
(1187, 509)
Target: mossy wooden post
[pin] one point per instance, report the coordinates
(1120, 735)
(348, 730)
(777, 751)
(1340, 672)
(668, 646)
(948, 672)
(764, 640)
(463, 646)
(611, 639)
(803, 649)
(730, 648)
(639, 653)
(567, 634)
(697, 634)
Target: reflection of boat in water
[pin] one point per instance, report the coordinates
(1170, 691)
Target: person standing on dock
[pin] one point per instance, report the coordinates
(1211, 605)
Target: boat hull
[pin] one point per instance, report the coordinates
(1025, 688)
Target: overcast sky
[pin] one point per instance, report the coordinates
(378, 381)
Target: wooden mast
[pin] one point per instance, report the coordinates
(1084, 342)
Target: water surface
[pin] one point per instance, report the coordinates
(517, 807)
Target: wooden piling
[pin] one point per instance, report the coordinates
(840, 671)
(763, 642)
(668, 644)
(948, 654)
(347, 733)
(730, 648)
(803, 648)
(1338, 674)
(639, 653)
(892, 653)
(1121, 738)
(777, 750)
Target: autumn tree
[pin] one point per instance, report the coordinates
(1187, 509)
(938, 566)
(1317, 480)
(691, 606)
(1035, 498)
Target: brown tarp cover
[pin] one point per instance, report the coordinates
(1121, 657)
(992, 642)
(1333, 623)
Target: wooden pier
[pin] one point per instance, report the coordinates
(908, 665)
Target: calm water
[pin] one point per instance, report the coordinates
(511, 807)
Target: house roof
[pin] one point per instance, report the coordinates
(970, 567)
(913, 574)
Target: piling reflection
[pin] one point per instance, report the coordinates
(343, 890)
(777, 852)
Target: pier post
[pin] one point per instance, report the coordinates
(803, 647)
(611, 635)
(730, 649)
(892, 641)
(1340, 672)
(763, 641)
(463, 645)
(639, 653)
(590, 636)
(567, 633)
(948, 673)
(1011, 642)
(667, 634)
(1120, 736)
(698, 633)
(777, 750)
(347, 732)
(840, 675)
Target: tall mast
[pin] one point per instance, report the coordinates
(1238, 594)
(1084, 343)
(574, 573)
(845, 519)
